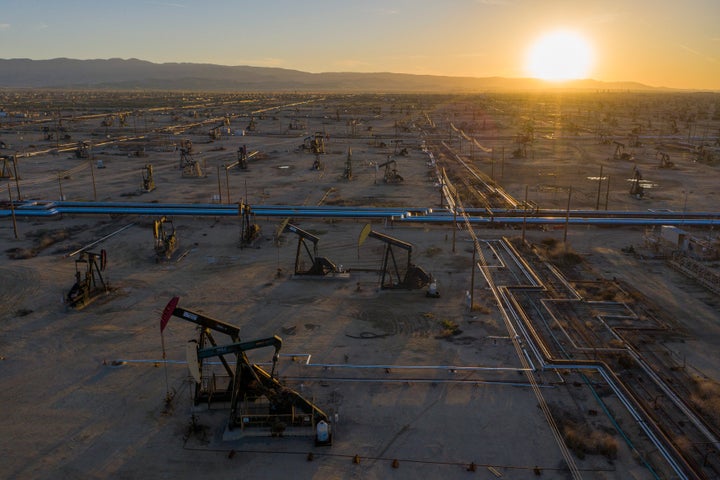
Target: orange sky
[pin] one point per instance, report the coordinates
(659, 43)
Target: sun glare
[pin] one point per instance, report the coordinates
(558, 56)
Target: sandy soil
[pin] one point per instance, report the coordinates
(85, 391)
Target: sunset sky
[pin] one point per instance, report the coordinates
(655, 42)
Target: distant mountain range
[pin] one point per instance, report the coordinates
(133, 74)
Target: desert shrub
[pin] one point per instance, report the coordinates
(584, 441)
(449, 329)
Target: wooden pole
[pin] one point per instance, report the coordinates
(454, 226)
(12, 210)
(227, 184)
(525, 214)
(219, 188)
(607, 193)
(472, 277)
(60, 185)
(597, 204)
(92, 173)
(567, 217)
(17, 177)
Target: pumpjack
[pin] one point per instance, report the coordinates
(414, 277)
(391, 174)
(317, 164)
(320, 265)
(165, 239)
(347, 174)
(665, 161)
(314, 143)
(620, 153)
(242, 157)
(636, 188)
(89, 284)
(82, 150)
(189, 166)
(257, 398)
(249, 230)
(5, 171)
(148, 183)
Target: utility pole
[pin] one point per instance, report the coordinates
(92, 174)
(12, 210)
(597, 204)
(567, 216)
(525, 214)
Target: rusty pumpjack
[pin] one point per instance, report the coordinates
(189, 166)
(248, 384)
(414, 277)
(165, 239)
(620, 153)
(249, 230)
(636, 188)
(665, 161)
(320, 265)
(148, 183)
(6, 171)
(315, 143)
(89, 284)
(391, 174)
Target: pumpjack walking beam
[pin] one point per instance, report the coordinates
(88, 286)
(320, 265)
(248, 381)
(415, 277)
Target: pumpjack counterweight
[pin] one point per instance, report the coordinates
(250, 386)
(392, 277)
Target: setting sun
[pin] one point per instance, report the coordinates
(560, 55)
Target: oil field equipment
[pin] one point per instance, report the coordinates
(89, 281)
(414, 277)
(242, 157)
(257, 399)
(319, 265)
(317, 165)
(314, 143)
(347, 174)
(249, 230)
(665, 161)
(5, 172)
(636, 188)
(148, 182)
(165, 238)
(620, 153)
(189, 166)
(391, 174)
(82, 150)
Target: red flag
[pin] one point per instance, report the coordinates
(167, 313)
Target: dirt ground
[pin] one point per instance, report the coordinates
(86, 391)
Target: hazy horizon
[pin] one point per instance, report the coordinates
(659, 44)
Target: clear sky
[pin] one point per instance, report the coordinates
(657, 42)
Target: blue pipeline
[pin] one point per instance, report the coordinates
(482, 217)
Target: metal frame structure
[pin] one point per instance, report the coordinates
(248, 382)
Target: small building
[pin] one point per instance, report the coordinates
(676, 237)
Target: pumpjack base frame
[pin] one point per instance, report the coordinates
(329, 276)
